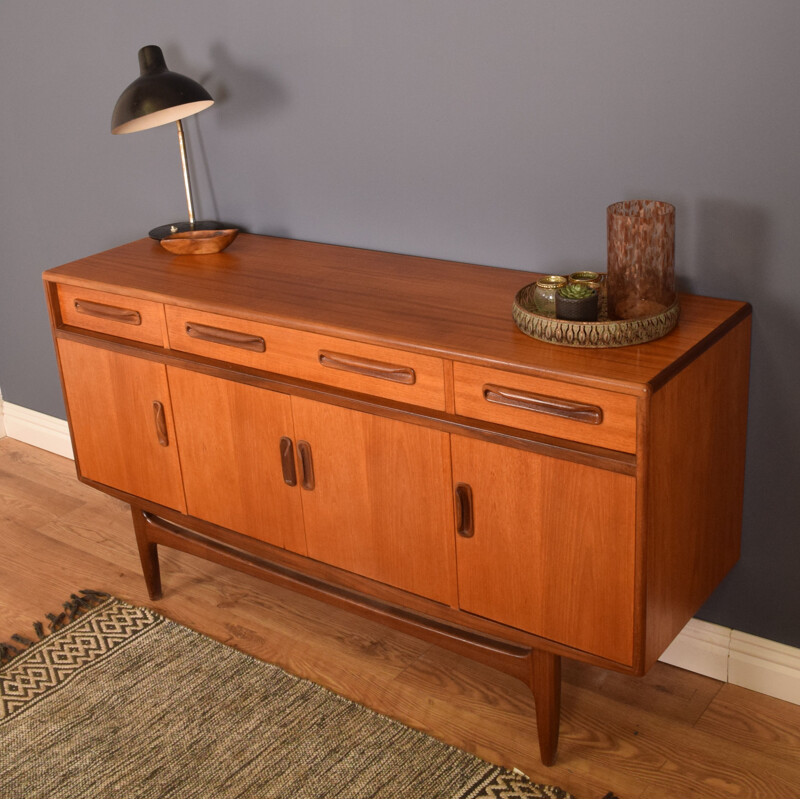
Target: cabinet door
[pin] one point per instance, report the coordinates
(381, 503)
(121, 420)
(552, 547)
(233, 457)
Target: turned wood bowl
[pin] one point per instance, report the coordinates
(199, 242)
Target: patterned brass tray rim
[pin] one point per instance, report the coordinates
(603, 333)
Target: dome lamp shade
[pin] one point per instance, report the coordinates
(157, 96)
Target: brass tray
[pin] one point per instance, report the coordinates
(603, 333)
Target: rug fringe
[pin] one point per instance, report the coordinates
(77, 604)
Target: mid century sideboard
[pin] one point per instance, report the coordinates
(373, 430)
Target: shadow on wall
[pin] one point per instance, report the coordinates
(242, 95)
(734, 260)
(256, 93)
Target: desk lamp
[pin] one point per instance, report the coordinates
(157, 97)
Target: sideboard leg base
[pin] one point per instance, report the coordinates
(545, 683)
(148, 554)
(539, 669)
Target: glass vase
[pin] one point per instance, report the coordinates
(641, 258)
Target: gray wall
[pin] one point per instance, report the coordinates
(491, 131)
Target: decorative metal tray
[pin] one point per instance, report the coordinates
(603, 333)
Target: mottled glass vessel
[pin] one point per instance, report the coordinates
(641, 258)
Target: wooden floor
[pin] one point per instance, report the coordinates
(670, 734)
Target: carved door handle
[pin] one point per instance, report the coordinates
(465, 520)
(287, 461)
(161, 423)
(307, 465)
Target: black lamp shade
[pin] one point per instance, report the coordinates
(157, 96)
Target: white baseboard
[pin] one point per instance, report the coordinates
(713, 650)
(739, 658)
(765, 666)
(701, 647)
(32, 427)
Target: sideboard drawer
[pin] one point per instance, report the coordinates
(591, 416)
(353, 366)
(369, 369)
(115, 314)
(229, 339)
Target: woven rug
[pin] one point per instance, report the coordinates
(121, 702)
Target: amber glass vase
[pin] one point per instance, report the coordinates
(641, 258)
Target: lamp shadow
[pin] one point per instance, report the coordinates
(256, 93)
(242, 95)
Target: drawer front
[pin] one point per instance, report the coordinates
(353, 366)
(115, 314)
(238, 341)
(590, 416)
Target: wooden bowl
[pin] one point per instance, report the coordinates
(196, 243)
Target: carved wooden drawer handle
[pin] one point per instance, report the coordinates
(114, 313)
(542, 404)
(245, 341)
(465, 520)
(368, 367)
(161, 423)
(287, 461)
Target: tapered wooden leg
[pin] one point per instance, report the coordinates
(545, 683)
(148, 554)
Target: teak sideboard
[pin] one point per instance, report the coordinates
(373, 430)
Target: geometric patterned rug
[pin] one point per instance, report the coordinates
(122, 702)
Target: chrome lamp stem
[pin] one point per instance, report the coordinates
(185, 166)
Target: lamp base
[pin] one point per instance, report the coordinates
(162, 231)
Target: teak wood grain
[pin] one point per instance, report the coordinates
(616, 428)
(552, 550)
(695, 485)
(424, 463)
(381, 505)
(409, 377)
(118, 315)
(230, 438)
(439, 307)
(114, 422)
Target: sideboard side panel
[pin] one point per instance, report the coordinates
(695, 483)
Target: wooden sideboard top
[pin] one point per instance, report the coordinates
(446, 308)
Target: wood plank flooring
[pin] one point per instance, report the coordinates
(669, 734)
